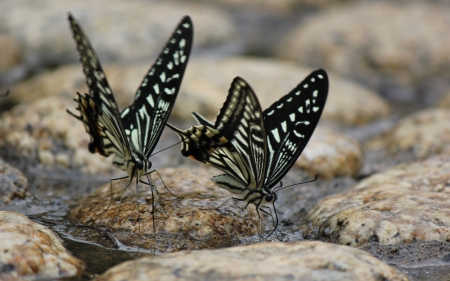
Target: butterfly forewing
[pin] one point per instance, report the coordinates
(144, 120)
(112, 141)
(290, 122)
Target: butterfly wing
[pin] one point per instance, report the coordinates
(241, 153)
(144, 120)
(106, 131)
(290, 122)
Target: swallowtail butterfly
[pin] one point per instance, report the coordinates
(257, 148)
(131, 135)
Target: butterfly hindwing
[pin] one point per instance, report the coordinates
(144, 120)
(290, 122)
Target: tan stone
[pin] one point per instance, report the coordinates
(410, 202)
(10, 54)
(383, 43)
(265, 261)
(13, 184)
(330, 154)
(196, 216)
(423, 133)
(33, 251)
(42, 130)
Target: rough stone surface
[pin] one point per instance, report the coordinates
(193, 217)
(330, 154)
(206, 83)
(410, 202)
(265, 261)
(32, 252)
(422, 134)
(42, 132)
(10, 54)
(393, 47)
(118, 30)
(13, 184)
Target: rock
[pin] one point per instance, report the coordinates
(43, 133)
(33, 252)
(13, 184)
(330, 154)
(194, 219)
(10, 54)
(265, 261)
(206, 83)
(119, 31)
(373, 51)
(407, 203)
(422, 134)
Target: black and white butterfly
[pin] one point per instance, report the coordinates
(257, 148)
(131, 135)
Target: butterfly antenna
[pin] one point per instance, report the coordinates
(280, 188)
(168, 147)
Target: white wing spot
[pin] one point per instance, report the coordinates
(315, 93)
(186, 25)
(150, 100)
(275, 134)
(173, 39)
(316, 108)
(320, 76)
(270, 112)
(298, 134)
(280, 106)
(162, 76)
(289, 99)
(297, 93)
(305, 86)
(300, 109)
(283, 126)
(169, 91)
(156, 88)
(170, 65)
(292, 117)
(313, 80)
(182, 43)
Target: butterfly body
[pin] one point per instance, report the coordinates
(256, 148)
(131, 135)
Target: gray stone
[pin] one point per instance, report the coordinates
(13, 184)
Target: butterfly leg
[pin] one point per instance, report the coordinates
(150, 183)
(120, 203)
(165, 186)
(111, 194)
(274, 220)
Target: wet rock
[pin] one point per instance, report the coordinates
(264, 261)
(32, 252)
(45, 135)
(330, 154)
(13, 184)
(408, 203)
(195, 219)
(206, 83)
(394, 47)
(420, 135)
(118, 30)
(10, 55)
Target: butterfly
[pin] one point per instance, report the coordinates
(257, 148)
(132, 134)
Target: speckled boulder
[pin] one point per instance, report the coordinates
(118, 30)
(265, 261)
(410, 202)
(330, 154)
(13, 184)
(32, 252)
(195, 218)
(390, 46)
(421, 134)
